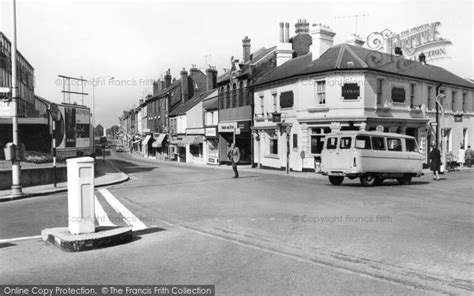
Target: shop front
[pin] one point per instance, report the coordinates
(194, 143)
(160, 146)
(238, 131)
(211, 146)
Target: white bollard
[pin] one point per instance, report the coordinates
(80, 195)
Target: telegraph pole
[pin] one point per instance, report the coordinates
(16, 189)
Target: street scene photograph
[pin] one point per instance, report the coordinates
(159, 147)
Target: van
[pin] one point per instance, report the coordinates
(370, 156)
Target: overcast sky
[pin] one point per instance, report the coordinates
(136, 41)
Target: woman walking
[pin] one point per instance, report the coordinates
(435, 157)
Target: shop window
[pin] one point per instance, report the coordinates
(331, 143)
(363, 142)
(464, 138)
(295, 140)
(317, 139)
(453, 100)
(286, 99)
(398, 95)
(321, 92)
(275, 102)
(411, 145)
(345, 143)
(378, 143)
(195, 150)
(274, 146)
(394, 144)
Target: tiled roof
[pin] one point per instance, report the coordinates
(162, 92)
(350, 57)
(183, 108)
(211, 103)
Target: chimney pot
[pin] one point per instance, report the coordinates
(287, 32)
(282, 34)
(422, 58)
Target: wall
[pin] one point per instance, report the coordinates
(33, 176)
(194, 116)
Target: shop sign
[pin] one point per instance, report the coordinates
(210, 132)
(350, 91)
(457, 117)
(227, 127)
(244, 126)
(194, 131)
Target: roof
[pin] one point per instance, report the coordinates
(183, 108)
(256, 57)
(368, 133)
(211, 104)
(350, 57)
(162, 92)
(41, 99)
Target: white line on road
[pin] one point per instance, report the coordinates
(7, 240)
(101, 215)
(129, 217)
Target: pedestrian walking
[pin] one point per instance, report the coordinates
(435, 157)
(468, 156)
(234, 157)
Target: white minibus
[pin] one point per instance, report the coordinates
(370, 156)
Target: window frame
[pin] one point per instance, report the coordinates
(274, 140)
(320, 93)
(398, 148)
(341, 141)
(334, 146)
(372, 138)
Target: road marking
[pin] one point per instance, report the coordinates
(129, 217)
(7, 240)
(101, 215)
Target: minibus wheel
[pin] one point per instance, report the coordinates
(405, 180)
(378, 181)
(336, 180)
(368, 180)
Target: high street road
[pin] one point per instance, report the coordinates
(262, 234)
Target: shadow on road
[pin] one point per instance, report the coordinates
(130, 167)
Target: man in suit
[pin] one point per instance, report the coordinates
(234, 156)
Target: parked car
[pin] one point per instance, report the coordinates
(370, 156)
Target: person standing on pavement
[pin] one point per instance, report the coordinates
(468, 156)
(234, 157)
(435, 157)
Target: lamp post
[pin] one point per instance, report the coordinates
(16, 188)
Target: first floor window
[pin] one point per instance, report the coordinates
(274, 145)
(321, 92)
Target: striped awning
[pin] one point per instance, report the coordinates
(159, 141)
(190, 140)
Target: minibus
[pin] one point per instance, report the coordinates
(370, 156)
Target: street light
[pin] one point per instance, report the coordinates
(16, 188)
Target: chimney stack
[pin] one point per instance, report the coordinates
(211, 81)
(287, 32)
(163, 84)
(355, 39)
(282, 34)
(246, 49)
(168, 78)
(156, 87)
(302, 41)
(322, 39)
(284, 51)
(184, 86)
(140, 102)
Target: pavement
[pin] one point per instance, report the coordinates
(106, 174)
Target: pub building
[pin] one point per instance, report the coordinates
(339, 87)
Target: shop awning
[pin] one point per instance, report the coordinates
(159, 141)
(145, 141)
(190, 140)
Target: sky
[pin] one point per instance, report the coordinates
(135, 42)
